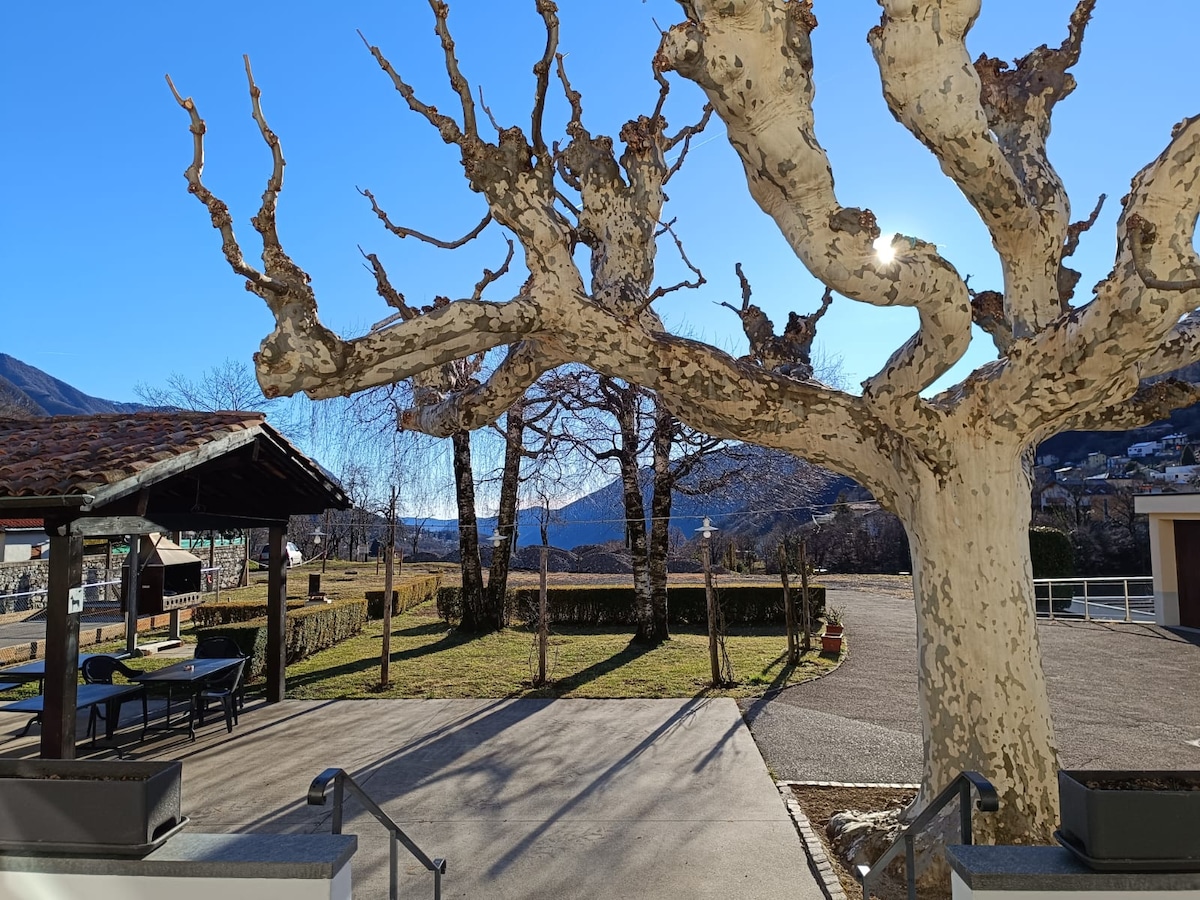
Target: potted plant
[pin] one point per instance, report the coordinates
(833, 621)
(831, 637)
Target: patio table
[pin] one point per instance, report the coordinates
(36, 670)
(111, 695)
(192, 673)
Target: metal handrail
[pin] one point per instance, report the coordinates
(960, 787)
(340, 779)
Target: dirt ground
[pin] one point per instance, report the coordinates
(819, 803)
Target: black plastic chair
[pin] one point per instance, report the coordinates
(221, 647)
(224, 688)
(100, 670)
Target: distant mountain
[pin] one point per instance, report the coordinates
(25, 388)
(760, 490)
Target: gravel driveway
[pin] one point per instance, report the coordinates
(1121, 696)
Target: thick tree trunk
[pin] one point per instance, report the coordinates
(660, 524)
(474, 615)
(639, 552)
(506, 516)
(982, 691)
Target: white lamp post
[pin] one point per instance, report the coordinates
(706, 531)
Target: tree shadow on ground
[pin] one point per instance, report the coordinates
(449, 640)
(576, 680)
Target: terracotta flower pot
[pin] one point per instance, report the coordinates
(833, 630)
(831, 643)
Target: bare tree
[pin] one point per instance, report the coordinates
(953, 467)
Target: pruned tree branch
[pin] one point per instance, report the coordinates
(490, 277)
(789, 176)
(402, 232)
(541, 69)
(441, 14)
(1068, 278)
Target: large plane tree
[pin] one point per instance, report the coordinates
(954, 466)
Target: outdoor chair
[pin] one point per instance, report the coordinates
(222, 648)
(100, 670)
(224, 689)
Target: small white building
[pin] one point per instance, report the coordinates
(1174, 556)
(1181, 474)
(22, 539)
(1143, 449)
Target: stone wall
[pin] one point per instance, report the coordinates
(31, 576)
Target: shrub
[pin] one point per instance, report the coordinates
(316, 626)
(229, 613)
(405, 595)
(1051, 553)
(613, 605)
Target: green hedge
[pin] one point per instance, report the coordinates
(316, 626)
(1051, 552)
(231, 612)
(605, 605)
(405, 595)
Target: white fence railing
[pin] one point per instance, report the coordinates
(1122, 598)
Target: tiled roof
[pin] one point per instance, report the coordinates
(59, 455)
(7, 524)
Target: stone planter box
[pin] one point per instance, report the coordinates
(1132, 820)
(88, 807)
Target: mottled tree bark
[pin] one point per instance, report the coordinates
(496, 609)
(982, 692)
(661, 498)
(475, 615)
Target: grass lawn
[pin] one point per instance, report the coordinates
(431, 660)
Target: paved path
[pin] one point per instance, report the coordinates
(1121, 696)
(525, 799)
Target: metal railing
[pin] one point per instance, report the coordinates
(1128, 598)
(960, 787)
(341, 780)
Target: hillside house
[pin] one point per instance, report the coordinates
(22, 539)
(1174, 556)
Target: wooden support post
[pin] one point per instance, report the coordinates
(543, 615)
(385, 659)
(62, 649)
(277, 615)
(789, 609)
(806, 612)
(131, 594)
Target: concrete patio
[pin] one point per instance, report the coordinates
(524, 798)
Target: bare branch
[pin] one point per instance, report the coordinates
(488, 112)
(686, 135)
(264, 222)
(541, 69)
(1078, 228)
(217, 210)
(574, 98)
(660, 292)
(441, 12)
(402, 232)
(445, 125)
(390, 295)
(489, 276)
(1068, 278)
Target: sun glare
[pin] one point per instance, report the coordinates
(885, 250)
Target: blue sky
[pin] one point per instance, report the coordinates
(110, 274)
